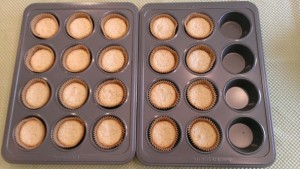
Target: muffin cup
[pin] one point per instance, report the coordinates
(24, 90)
(167, 16)
(71, 49)
(105, 147)
(17, 131)
(75, 16)
(111, 48)
(174, 53)
(210, 85)
(113, 15)
(166, 82)
(207, 49)
(57, 126)
(168, 119)
(199, 15)
(112, 81)
(37, 18)
(205, 119)
(65, 84)
(31, 52)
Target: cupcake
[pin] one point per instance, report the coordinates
(30, 133)
(109, 132)
(73, 93)
(200, 59)
(201, 95)
(39, 58)
(163, 26)
(163, 95)
(163, 59)
(79, 25)
(114, 26)
(113, 59)
(76, 58)
(35, 94)
(44, 25)
(69, 132)
(198, 26)
(204, 134)
(163, 133)
(111, 93)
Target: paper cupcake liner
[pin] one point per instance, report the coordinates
(167, 16)
(56, 128)
(108, 49)
(218, 140)
(31, 52)
(75, 16)
(207, 49)
(155, 121)
(24, 90)
(65, 84)
(108, 147)
(210, 85)
(174, 53)
(166, 82)
(37, 18)
(17, 131)
(113, 15)
(199, 15)
(71, 49)
(111, 81)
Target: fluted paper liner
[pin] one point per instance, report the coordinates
(211, 87)
(155, 121)
(108, 147)
(37, 18)
(199, 15)
(75, 16)
(207, 49)
(169, 83)
(174, 53)
(71, 49)
(111, 48)
(57, 126)
(167, 16)
(65, 84)
(205, 119)
(114, 15)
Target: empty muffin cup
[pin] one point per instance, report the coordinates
(79, 25)
(163, 26)
(198, 25)
(237, 59)
(44, 25)
(76, 58)
(234, 25)
(240, 94)
(114, 26)
(245, 135)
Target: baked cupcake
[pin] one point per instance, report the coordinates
(114, 26)
(76, 58)
(73, 93)
(111, 93)
(201, 95)
(30, 133)
(163, 133)
(109, 132)
(113, 59)
(36, 93)
(79, 25)
(44, 25)
(39, 58)
(204, 134)
(163, 26)
(198, 25)
(200, 59)
(69, 132)
(163, 59)
(163, 95)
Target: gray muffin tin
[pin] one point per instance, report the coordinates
(236, 41)
(90, 112)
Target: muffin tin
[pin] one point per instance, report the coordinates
(87, 151)
(242, 111)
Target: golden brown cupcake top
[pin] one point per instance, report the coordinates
(163, 26)
(77, 58)
(44, 26)
(114, 26)
(113, 59)
(40, 58)
(198, 25)
(163, 59)
(79, 25)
